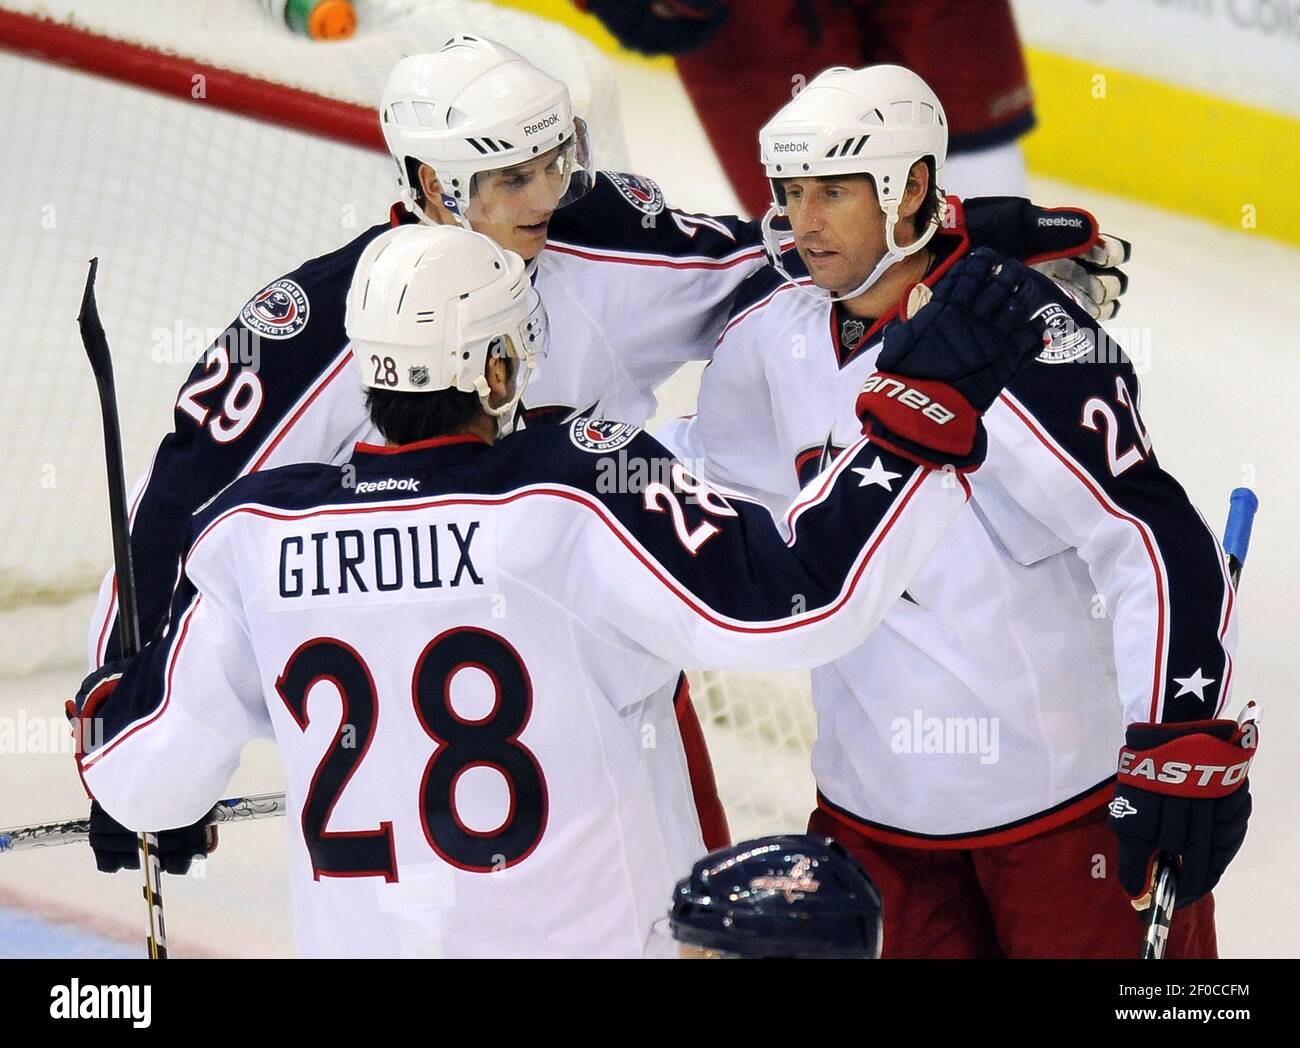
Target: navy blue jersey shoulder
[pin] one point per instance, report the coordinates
(624, 212)
(1080, 361)
(232, 405)
(324, 283)
(571, 455)
(1082, 399)
(327, 269)
(613, 463)
(726, 552)
(757, 286)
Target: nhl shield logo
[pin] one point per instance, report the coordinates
(601, 436)
(418, 375)
(851, 332)
(642, 193)
(279, 310)
(1066, 340)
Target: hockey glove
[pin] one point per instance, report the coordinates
(940, 370)
(660, 27)
(115, 846)
(1182, 788)
(1062, 243)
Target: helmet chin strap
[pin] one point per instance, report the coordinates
(893, 255)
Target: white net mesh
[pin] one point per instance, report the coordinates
(191, 208)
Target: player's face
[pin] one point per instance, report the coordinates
(839, 229)
(514, 205)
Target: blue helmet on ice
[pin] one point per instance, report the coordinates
(792, 895)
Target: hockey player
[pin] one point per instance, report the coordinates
(966, 751)
(633, 289)
(461, 645)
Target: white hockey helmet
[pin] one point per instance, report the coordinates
(877, 121)
(476, 106)
(428, 306)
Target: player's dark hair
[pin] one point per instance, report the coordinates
(405, 418)
(931, 207)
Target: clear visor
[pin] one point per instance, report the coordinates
(528, 193)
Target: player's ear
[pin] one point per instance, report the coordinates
(431, 188)
(498, 372)
(918, 188)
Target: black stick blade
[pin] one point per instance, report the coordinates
(92, 328)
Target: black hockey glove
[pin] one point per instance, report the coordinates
(115, 846)
(660, 27)
(1182, 788)
(939, 371)
(1063, 243)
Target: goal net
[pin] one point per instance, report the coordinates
(200, 150)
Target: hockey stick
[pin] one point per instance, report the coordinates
(77, 831)
(1160, 905)
(101, 362)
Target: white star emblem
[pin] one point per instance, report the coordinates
(877, 474)
(1195, 684)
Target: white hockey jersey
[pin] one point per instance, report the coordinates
(1079, 590)
(460, 651)
(633, 289)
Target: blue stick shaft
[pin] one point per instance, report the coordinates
(1243, 505)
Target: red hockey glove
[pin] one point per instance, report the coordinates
(939, 371)
(1183, 789)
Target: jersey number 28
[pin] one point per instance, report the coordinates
(462, 744)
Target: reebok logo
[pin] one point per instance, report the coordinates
(542, 125)
(789, 147)
(75, 1001)
(1060, 220)
(366, 487)
(909, 397)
